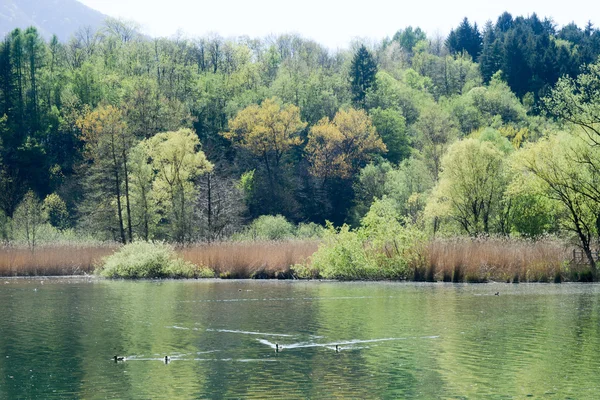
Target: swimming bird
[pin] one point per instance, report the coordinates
(337, 348)
(276, 347)
(119, 358)
(167, 359)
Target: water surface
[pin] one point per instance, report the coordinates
(396, 340)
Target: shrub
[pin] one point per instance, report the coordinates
(382, 248)
(149, 260)
(55, 211)
(343, 256)
(269, 227)
(309, 231)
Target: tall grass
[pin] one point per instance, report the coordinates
(261, 259)
(460, 259)
(496, 259)
(59, 259)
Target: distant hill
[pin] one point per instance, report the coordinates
(60, 17)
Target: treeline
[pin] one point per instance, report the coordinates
(185, 139)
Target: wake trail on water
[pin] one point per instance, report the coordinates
(332, 345)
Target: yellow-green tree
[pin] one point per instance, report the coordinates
(177, 161)
(268, 131)
(107, 144)
(549, 168)
(436, 130)
(28, 217)
(339, 148)
(471, 186)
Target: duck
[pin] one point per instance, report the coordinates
(167, 359)
(120, 358)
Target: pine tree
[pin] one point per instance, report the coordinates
(363, 71)
(465, 38)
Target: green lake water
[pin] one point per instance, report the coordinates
(397, 340)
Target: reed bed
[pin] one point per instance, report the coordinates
(269, 259)
(460, 259)
(57, 259)
(497, 259)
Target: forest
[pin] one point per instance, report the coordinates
(116, 136)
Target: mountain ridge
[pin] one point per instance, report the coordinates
(59, 17)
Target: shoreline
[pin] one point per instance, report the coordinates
(458, 259)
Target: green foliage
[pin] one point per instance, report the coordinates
(471, 187)
(382, 248)
(342, 256)
(408, 185)
(55, 211)
(391, 126)
(82, 120)
(363, 70)
(270, 227)
(145, 260)
(177, 161)
(28, 218)
(309, 231)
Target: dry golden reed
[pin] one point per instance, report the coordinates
(250, 259)
(458, 259)
(495, 259)
(60, 259)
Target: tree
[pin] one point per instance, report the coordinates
(409, 37)
(436, 131)
(145, 216)
(471, 186)
(220, 206)
(108, 142)
(28, 216)
(55, 211)
(547, 168)
(339, 148)
(577, 101)
(177, 160)
(363, 70)
(391, 126)
(465, 38)
(268, 133)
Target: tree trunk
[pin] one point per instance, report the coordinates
(127, 203)
(118, 191)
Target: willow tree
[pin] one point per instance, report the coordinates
(471, 186)
(177, 160)
(547, 168)
(107, 146)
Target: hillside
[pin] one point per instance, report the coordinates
(60, 17)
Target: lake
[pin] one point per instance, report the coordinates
(395, 340)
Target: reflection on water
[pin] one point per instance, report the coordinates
(394, 340)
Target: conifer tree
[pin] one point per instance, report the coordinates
(363, 71)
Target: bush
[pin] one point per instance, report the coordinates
(342, 255)
(382, 248)
(269, 227)
(309, 231)
(149, 260)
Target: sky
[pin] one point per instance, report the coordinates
(333, 23)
